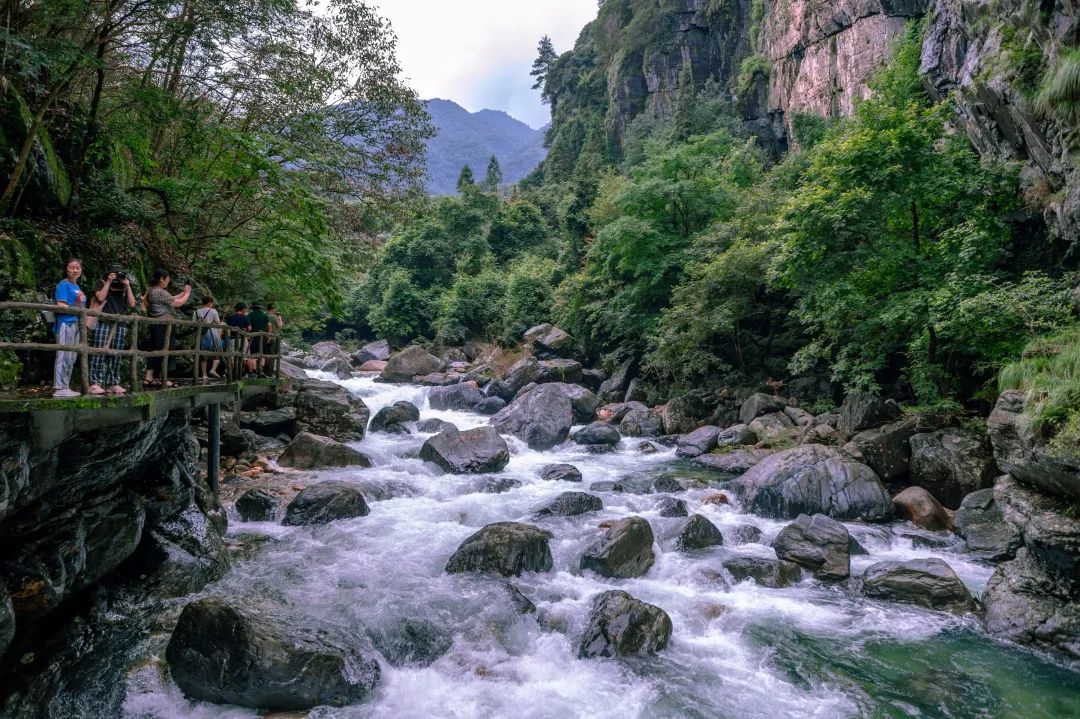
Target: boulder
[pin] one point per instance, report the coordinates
(800, 417)
(1049, 525)
(257, 505)
(771, 427)
(547, 340)
(697, 532)
(293, 371)
(439, 379)
(434, 426)
(736, 435)
(411, 362)
(982, 524)
(593, 379)
(237, 442)
(613, 388)
(597, 433)
(327, 350)
(625, 550)
(269, 423)
(758, 404)
(582, 401)
(620, 625)
(671, 507)
(373, 366)
(921, 509)
(666, 484)
(378, 351)
(863, 410)
(1028, 604)
(474, 451)
(885, 449)
(571, 504)
(951, 463)
(7, 620)
(325, 502)
(560, 473)
(542, 418)
(340, 367)
(1019, 453)
(506, 548)
(700, 441)
(310, 451)
(684, 413)
(771, 573)
(462, 397)
(635, 392)
(736, 462)
(411, 642)
(814, 479)
(490, 406)
(396, 413)
(560, 370)
(614, 413)
(179, 555)
(641, 423)
(818, 543)
(927, 582)
(743, 534)
(329, 410)
(455, 356)
(270, 659)
(521, 373)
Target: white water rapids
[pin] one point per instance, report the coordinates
(812, 650)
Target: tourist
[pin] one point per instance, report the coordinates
(260, 322)
(238, 320)
(276, 323)
(113, 296)
(160, 303)
(66, 327)
(211, 338)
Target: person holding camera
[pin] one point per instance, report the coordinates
(160, 303)
(113, 296)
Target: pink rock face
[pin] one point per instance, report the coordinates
(373, 366)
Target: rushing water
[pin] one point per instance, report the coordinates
(743, 651)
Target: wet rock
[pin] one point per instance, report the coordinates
(498, 485)
(920, 507)
(951, 464)
(885, 449)
(735, 463)
(520, 603)
(771, 427)
(672, 507)
(560, 370)
(743, 534)
(329, 410)
(800, 417)
(506, 548)
(373, 366)
(395, 413)
(255, 657)
(542, 418)
(179, 556)
(756, 405)
(257, 505)
(641, 423)
(814, 479)
(547, 340)
(620, 625)
(613, 388)
(270, 423)
(700, 441)
(1049, 525)
(310, 451)
(597, 433)
(411, 362)
(462, 397)
(863, 410)
(1028, 604)
(684, 413)
(327, 350)
(7, 620)
(571, 504)
(490, 406)
(521, 373)
(666, 484)
(237, 442)
(982, 524)
(435, 425)
(927, 582)
(739, 434)
(771, 573)
(604, 486)
(411, 642)
(1019, 453)
(593, 379)
(560, 473)
(818, 543)
(439, 379)
(625, 550)
(647, 448)
(474, 451)
(697, 532)
(325, 502)
(378, 351)
(340, 367)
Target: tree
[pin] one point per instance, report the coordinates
(493, 177)
(541, 67)
(465, 180)
(685, 104)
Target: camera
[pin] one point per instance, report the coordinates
(121, 275)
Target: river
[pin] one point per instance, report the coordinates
(737, 652)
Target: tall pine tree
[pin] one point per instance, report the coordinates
(541, 68)
(494, 175)
(465, 180)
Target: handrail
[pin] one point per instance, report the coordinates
(233, 357)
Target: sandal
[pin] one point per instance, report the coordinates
(168, 384)
(151, 383)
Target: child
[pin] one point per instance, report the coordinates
(66, 327)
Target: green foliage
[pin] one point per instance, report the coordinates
(1059, 91)
(493, 177)
(403, 309)
(751, 68)
(1049, 373)
(530, 289)
(471, 308)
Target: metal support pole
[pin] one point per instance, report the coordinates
(213, 454)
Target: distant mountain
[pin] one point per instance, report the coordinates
(471, 138)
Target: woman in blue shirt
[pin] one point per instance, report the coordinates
(66, 327)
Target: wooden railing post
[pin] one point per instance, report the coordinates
(165, 357)
(198, 348)
(134, 354)
(84, 359)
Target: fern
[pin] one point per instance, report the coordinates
(1059, 91)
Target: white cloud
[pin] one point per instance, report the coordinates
(478, 53)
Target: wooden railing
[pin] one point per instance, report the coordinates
(235, 351)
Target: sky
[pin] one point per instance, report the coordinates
(478, 53)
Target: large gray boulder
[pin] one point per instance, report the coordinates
(411, 642)
(547, 340)
(683, 413)
(310, 451)
(1019, 452)
(329, 410)
(571, 504)
(340, 367)
(560, 370)
(378, 351)
(625, 550)
(982, 524)
(1049, 525)
(772, 426)
(267, 423)
(473, 451)
(506, 548)
(411, 362)
(697, 532)
(700, 441)
(521, 373)
(641, 422)
(758, 404)
(814, 479)
(560, 472)
(736, 435)
(394, 414)
(613, 389)
(620, 625)
(541, 418)
(951, 463)
(7, 620)
(818, 543)
(863, 410)
(325, 502)
(735, 462)
(463, 397)
(921, 509)
(257, 505)
(928, 582)
(772, 573)
(597, 433)
(273, 659)
(885, 449)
